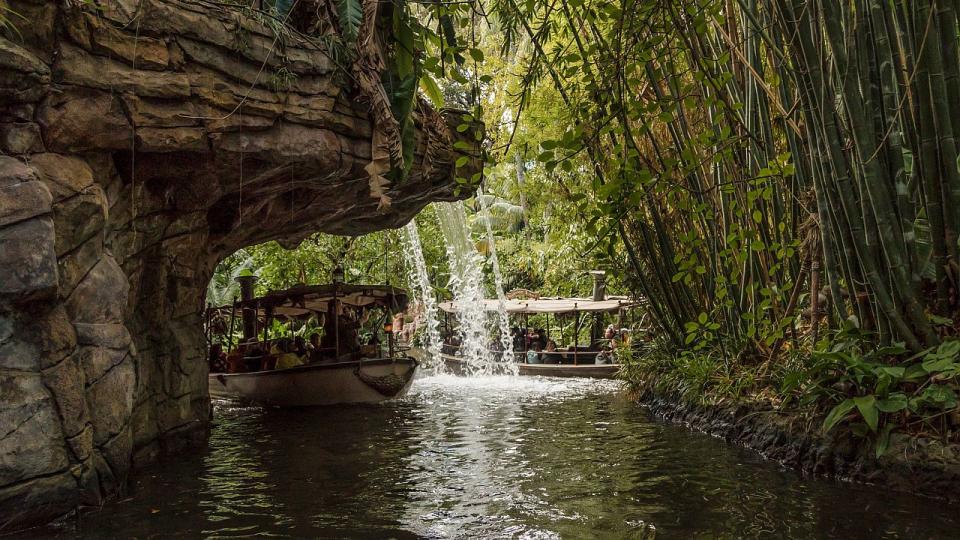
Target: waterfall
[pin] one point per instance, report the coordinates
(466, 282)
(413, 253)
(503, 320)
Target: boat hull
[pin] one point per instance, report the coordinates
(594, 371)
(318, 384)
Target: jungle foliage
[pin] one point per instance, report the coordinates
(779, 179)
(771, 173)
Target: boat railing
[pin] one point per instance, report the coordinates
(572, 356)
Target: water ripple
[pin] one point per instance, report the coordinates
(489, 457)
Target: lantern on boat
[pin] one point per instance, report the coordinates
(388, 330)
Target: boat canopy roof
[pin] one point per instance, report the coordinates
(611, 304)
(303, 300)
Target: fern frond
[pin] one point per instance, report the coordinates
(350, 13)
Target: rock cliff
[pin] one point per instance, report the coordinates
(142, 141)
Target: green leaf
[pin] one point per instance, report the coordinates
(883, 441)
(837, 414)
(949, 348)
(940, 321)
(867, 405)
(432, 90)
(894, 371)
(476, 54)
(462, 160)
(937, 364)
(893, 403)
(350, 15)
(941, 395)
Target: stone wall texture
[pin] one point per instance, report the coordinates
(142, 141)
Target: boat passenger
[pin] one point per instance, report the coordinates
(314, 343)
(217, 359)
(313, 348)
(300, 346)
(531, 338)
(253, 355)
(542, 338)
(342, 327)
(551, 357)
(287, 358)
(533, 355)
(518, 338)
(235, 362)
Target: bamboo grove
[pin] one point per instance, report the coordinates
(772, 169)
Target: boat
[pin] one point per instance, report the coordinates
(457, 366)
(575, 360)
(371, 375)
(360, 381)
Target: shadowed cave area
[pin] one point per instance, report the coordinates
(133, 163)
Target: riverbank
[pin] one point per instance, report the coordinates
(912, 464)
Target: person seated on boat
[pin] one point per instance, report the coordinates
(551, 357)
(609, 333)
(625, 337)
(235, 362)
(518, 338)
(533, 355)
(253, 354)
(542, 338)
(314, 351)
(606, 354)
(270, 351)
(300, 347)
(342, 327)
(617, 340)
(287, 358)
(531, 338)
(451, 345)
(217, 359)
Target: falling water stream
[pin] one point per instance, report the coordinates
(420, 279)
(503, 320)
(466, 282)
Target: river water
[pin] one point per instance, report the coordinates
(489, 457)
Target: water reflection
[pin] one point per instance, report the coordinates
(489, 457)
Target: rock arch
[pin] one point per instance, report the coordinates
(142, 145)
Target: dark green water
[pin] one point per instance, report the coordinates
(490, 457)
